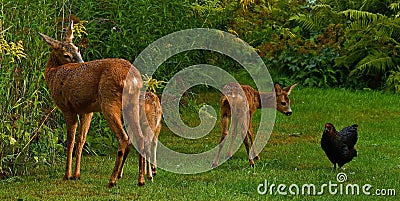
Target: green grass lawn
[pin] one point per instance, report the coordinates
(292, 156)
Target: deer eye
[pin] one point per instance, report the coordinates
(283, 103)
(67, 56)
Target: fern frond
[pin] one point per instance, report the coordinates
(393, 81)
(321, 16)
(394, 6)
(362, 15)
(306, 22)
(381, 27)
(326, 9)
(397, 15)
(377, 62)
(358, 24)
(395, 26)
(350, 59)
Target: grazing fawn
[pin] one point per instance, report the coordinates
(152, 110)
(80, 88)
(232, 95)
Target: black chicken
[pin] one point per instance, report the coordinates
(339, 146)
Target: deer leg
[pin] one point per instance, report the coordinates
(85, 120)
(134, 121)
(234, 134)
(154, 164)
(72, 123)
(121, 169)
(148, 167)
(246, 143)
(140, 143)
(154, 145)
(251, 137)
(224, 125)
(148, 136)
(148, 170)
(245, 137)
(113, 116)
(142, 163)
(141, 146)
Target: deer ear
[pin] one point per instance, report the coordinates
(55, 44)
(290, 88)
(69, 34)
(277, 88)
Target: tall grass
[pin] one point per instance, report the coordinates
(28, 134)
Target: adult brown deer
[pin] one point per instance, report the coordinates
(233, 96)
(80, 88)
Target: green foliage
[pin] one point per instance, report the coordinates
(393, 81)
(374, 63)
(318, 19)
(368, 43)
(307, 22)
(319, 72)
(308, 69)
(30, 127)
(370, 51)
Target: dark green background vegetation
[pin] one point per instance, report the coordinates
(322, 44)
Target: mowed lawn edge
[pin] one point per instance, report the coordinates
(292, 156)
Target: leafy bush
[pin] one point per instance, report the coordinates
(393, 81)
(26, 134)
(370, 51)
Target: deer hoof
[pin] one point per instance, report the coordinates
(120, 174)
(251, 163)
(110, 185)
(154, 171)
(65, 178)
(214, 165)
(76, 178)
(140, 184)
(257, 158)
